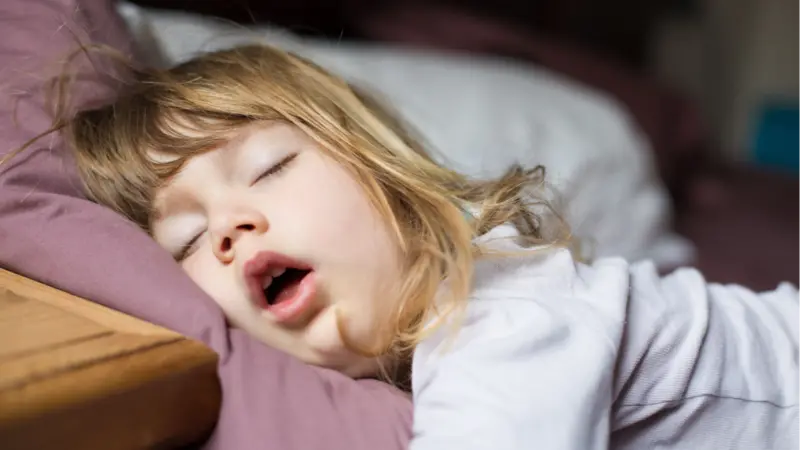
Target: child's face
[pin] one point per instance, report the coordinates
(272, 201)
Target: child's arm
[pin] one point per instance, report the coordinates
(523, 373)
(706, 365)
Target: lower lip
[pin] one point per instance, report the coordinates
(292, 309)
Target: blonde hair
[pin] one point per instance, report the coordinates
(198, 105)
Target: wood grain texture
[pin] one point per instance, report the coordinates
(76, 375)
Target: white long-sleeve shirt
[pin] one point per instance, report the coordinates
(558, 355)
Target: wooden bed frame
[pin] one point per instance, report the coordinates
(77, 375)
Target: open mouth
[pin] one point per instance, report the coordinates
(282, 285)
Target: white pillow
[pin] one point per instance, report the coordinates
(479, 115)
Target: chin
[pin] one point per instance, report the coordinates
(350, 364)
(366, 368)
(341, 359)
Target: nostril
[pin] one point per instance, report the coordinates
(246, 227)
(226, 244)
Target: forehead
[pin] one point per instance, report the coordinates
(220, 157)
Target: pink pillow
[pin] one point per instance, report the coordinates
(50, 232)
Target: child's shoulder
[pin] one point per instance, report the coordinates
(506, 263)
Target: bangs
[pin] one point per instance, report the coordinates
(143, 144)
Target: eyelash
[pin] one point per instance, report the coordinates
(184, 251)
(277, 168)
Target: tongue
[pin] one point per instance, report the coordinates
(288, 292)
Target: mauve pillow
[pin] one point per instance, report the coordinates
(50, 232)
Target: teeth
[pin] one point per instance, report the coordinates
(277, 272)
(267, 281)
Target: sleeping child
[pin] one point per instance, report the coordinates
(320, 225)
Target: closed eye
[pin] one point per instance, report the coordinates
(276, 168)
(188, 248)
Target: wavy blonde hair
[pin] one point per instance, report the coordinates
(197, 106)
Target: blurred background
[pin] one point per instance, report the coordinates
(712, 84)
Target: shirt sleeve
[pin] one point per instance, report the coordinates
(530, 367)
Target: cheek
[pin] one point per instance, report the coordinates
(332, 209)
(344, 218)
(212, 281)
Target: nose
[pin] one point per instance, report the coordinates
(231, 226)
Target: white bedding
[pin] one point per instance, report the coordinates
(479, 115)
